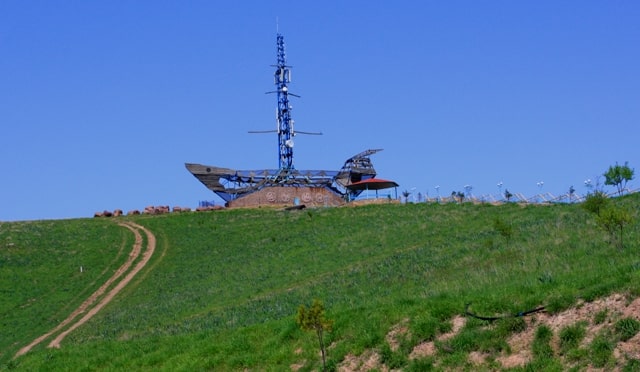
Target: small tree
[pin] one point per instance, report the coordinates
(613, 220)
(571, 192)
(595, 202)
(406, 194)
(508, 195)
(618, 176)
(312, 319)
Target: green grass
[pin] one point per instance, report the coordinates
(40, 273)
(601, 350)
(222, 289)
(571, 336)
(627, 328)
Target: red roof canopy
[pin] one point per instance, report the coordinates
(372, 184)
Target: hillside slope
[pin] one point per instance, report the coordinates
(223, 287)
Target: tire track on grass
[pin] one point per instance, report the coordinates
(86, 306)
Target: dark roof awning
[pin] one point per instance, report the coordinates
(372, 184)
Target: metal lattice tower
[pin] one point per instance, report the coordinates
(283, 115)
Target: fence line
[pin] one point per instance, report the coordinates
(542, 198)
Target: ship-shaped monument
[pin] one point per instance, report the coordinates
(287, 185)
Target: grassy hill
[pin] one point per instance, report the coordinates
(222, 289)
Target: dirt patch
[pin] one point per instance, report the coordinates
(458, 322)
(297, 366)
(427, 349)
(609, 309)
(367, 361)
(397, 333)
(477, 358)
(615, 306)
(88, 305)
(520, 355)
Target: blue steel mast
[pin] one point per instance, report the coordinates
(284, 129)
(283, 116)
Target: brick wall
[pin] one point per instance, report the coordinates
(280, 196)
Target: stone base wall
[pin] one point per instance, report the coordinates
(279, 196)
(356, 203)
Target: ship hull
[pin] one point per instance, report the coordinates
(240, 188)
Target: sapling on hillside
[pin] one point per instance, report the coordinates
(595, 201)
(613, 219)
(313, 319)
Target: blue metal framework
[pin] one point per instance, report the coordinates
(231, 184)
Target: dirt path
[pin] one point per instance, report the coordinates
(89, 302)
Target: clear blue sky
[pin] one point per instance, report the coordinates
(102, 102)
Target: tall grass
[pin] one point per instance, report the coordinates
(47, 269)
(223, 287)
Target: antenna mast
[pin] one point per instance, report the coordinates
(284, 122)
(283, 115)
